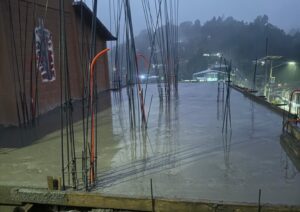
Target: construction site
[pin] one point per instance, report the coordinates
(77, 136)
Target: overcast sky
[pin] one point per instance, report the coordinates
(283, 13)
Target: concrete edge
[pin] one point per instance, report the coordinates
(22, 195)
(261, 101)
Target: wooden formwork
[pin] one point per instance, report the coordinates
(24, 196)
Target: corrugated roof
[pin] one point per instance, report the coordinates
(102, 31)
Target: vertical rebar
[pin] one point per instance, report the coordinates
(152, 197)
(259, 199)
(61, 50)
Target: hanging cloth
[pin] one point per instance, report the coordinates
(44, 52)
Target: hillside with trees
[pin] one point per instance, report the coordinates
(239, 41)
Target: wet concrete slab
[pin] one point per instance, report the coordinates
(183, 151)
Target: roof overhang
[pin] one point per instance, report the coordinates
(81, 8)
(208, 71)
(274, 57)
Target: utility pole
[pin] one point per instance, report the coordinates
(254, 75)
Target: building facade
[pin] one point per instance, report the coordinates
(27, 88)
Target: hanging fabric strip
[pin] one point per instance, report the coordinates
(44, 52)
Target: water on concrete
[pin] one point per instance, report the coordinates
(183, 151)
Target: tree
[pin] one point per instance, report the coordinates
(261, 20)
(236, 40)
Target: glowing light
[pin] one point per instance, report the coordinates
(142, 77)
(291, 63)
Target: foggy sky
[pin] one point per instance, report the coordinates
(283, 13)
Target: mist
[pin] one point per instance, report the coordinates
(282, 13)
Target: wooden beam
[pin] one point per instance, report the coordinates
(97, 200)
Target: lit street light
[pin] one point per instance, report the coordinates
(269, 79)
(292, 63)
(272, 79)
(289, 63)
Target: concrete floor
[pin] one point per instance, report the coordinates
(184, 151)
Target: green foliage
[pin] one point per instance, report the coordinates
(238, 41)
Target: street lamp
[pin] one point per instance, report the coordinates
(289, 63)
(292, 63)
(264, 62)
(272, 79)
